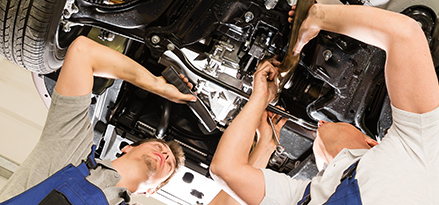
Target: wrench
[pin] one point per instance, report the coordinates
(279, 148)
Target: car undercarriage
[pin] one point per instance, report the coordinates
(217, 46)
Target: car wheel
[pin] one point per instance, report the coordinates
(29, 34)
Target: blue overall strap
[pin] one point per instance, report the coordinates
(347, 192)
(68, 184)
(306, 196)
(91, 161)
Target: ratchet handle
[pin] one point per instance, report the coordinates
(197, 107)
(172, 76)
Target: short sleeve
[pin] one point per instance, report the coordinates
(281, 189)
(418, 132)
(67, 116)
(66, 138)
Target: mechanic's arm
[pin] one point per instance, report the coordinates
(230, 166)
(259, 156)
(86, 58)
(410, 76)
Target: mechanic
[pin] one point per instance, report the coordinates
(67, 139)
(402, 169)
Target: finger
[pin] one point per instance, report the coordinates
(276, 117)
(274, 61)
(190, 85)
(263, 64)
(272, 73)
(292, 11)
(266, 67)
(270, 114)
(188, 97)
(281, 122)
(280, 107)
(263, 69)
(184, 78)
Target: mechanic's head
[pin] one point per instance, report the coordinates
(149, 164)
(333, 137)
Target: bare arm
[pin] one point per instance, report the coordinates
(237, 139)
(258, 157)
(410, 76)
(86, 58)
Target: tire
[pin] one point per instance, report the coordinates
(28, 33)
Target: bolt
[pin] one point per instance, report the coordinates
(292, 2)
(170, 47)
(248, 16)
(270, 4)
(106, 35)
(327, 54)
(155, 39)
(110, 36)
(420, 23)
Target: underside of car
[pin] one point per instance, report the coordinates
(217, 44)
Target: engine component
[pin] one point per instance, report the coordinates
(198, 107)
(425, 17)
(106, 35)
(69, 9)
(164, 120)
(270, 4)
(248, 16)
(353, 90)
(155, 39)
(327, 54)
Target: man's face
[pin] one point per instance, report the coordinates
(150, 163)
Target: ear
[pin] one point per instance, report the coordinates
(371, 142)
(126, 149)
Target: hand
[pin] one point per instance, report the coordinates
(309, 28)
(171, 93)
(266, 132)
(273, 60)
(265, 82)
(266, 143)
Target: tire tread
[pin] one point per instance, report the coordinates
(24, 32)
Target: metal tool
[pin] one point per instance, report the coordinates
(279, 148)
(291, 60)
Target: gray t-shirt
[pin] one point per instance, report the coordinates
(402, 169)
(66, 139)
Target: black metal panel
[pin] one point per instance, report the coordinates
(128, 19)
(355, 75)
